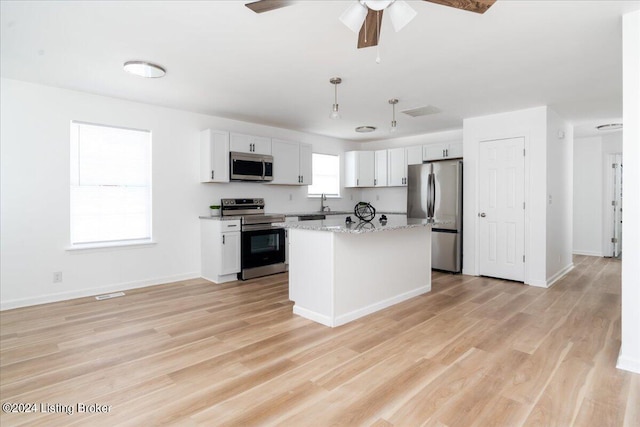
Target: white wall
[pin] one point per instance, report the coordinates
(530, 124)
(35, 193)
(559, 197)
(629, 358)
(588, 188)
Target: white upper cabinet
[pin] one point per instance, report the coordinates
(397, 167)
(414, 155)
(306, 168)
(214, 156)
(447, 150)
(291, 163)
(359, 168)
(250, 144)
(380, 178)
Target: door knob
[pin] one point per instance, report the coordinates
(482, 215)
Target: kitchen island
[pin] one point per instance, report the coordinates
(340, 272)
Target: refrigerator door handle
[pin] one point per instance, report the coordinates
(431, 196)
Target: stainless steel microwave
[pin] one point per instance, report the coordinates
(250, 167)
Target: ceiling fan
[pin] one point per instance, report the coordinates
(365, 16)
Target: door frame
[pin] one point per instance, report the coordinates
(607, 214)
(527, 185)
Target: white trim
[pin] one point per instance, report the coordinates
(225, 278)
(552, 280)
(110, 245)
(63, 296)
(361, 312)
(628, 364)
(559, 275)
(312, 315)
(588, 253)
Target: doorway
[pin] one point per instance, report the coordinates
(501, 209)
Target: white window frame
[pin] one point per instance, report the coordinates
(76, 184)
(315, 177)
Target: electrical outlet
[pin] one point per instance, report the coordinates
(351, 196)
(377, 197)
(290, 196)
(57, 276)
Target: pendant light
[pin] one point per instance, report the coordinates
(393, 103)
(335, 113)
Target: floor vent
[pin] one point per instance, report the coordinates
(109, 296)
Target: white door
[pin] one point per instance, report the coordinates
(501, 209)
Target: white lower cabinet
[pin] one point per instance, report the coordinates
(220, 248)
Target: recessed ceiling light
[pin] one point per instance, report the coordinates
(365, 129)
(610, 126)
(144, 69)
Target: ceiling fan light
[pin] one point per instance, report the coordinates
(401, 14)
(354, 16)
(377, 4)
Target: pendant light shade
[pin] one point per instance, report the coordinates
(335, 111)
(394, 124)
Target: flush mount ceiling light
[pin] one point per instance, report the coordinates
(335, 81)
(365, 129)
(610, 126)
(144, 69)
(393, 127)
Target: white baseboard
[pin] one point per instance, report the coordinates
(82, 293)
(559, 275)
(312, 315)
(588, 253)
(361, 312)
(551, 280)
(628, 364)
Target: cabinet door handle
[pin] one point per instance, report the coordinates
(213, 174)
(375, 181)
(447, 152)
(357, 182)
(443, 155)
(223, 239)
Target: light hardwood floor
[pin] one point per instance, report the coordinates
(473, 352)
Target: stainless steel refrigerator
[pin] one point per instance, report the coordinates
(434, 192)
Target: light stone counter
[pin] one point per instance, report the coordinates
(338, 224)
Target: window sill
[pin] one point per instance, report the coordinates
(110, 245)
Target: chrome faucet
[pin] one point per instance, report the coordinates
(323, 198)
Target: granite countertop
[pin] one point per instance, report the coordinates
(290, 214)
(221, 218)
(337, 225)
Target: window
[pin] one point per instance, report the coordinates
(110, 185)
(326, 175)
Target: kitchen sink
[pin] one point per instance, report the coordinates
(311, 217)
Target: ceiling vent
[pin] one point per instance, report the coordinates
(422, 111)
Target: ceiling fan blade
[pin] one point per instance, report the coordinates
(477, 6)
(370, 30)
(267, 5)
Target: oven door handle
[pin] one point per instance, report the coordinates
(259, 227)
(264, 169)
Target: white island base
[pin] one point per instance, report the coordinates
(336, 277)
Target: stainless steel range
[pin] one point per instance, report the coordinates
(262, 243)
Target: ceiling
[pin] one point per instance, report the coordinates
(274, 68)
